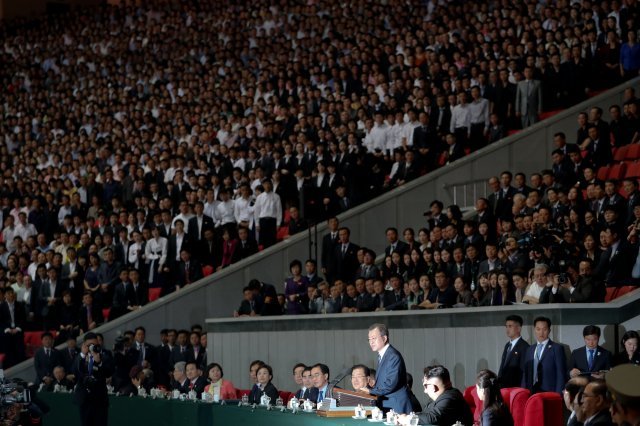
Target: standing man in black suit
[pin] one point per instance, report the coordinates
(617, 260)
(246, 247)
(345, 257)
(329, 242)
(188, 270)
(210, 250)
(90, 313)
(426, 143)
(196, 353)
(591, 358)
(199, 223)
(176, 243)
(12, 320)
(394, 244)
(45, 359)
(147, 356)
(92, 367)
(512, 364)
(598, 149)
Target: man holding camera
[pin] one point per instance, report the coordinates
(92, 367)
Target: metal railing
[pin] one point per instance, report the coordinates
(465, 194)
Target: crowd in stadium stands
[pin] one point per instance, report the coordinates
(180, 363)
(563, 235)
(145, 147)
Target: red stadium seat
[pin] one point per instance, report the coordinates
(32, 341)
(240, 392)
(516, 400)
(621, 153)
(617, 171)
(154, 293)
(474, 403)
(633, 152)
(611, 294)
(287, 217)
(633, 170)
(543, 409)
(286, 396)
(105, 313)
(207, 270)
(283, 232)
(547, 114)
(603, 172)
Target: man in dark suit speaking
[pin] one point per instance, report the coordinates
(391, 377)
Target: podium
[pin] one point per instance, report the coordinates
(347, 401)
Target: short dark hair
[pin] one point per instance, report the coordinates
(591, 329)
(542, 319)
(438, 371)
(515, 318)
(214, 364)
(298, 365)
(323, 367)
(268, 367)
(362, 367)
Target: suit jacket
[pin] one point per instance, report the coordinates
(207, 223)
(614, 268)
(195, 272)
(529, 99)
(198, 385)
(250, 248)
(401, 247)
(200, 360)
(603, 418)
(96, 316)
(449, 408)
(19, 315)
(209, 254)
(601, 360)
(44, 364)
(94, 391)
(122, 298)
(552, 370)
(311, 394)
(173, 250)
(328, 251)
(45, 293)
(178, 355)
(345, 266)
(391, 383)
(512, 364)
(256, 394)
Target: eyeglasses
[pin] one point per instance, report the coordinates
(588, 395)
(358, 377)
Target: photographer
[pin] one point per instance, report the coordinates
(92, 367)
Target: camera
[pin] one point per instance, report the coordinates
(562, 278)
(96, 349)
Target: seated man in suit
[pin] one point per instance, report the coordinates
(447, 404)
(59, 379)
(512, 363)
(391, 379)
(544, 364)
(360, 376)
(310, 392)
(196, 381)
(571, 389)
(180, 381)
(591, 358)
(320, 378)
(298, 369)
(594, 405)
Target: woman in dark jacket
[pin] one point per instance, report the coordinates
(494, 410)
(263, 386)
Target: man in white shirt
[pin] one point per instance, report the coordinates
(380, 140)
(532, 294)
(267, 214)
(479, 116)
(461, 120)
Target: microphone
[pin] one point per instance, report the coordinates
(332, 384)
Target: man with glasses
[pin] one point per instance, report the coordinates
(447, 404)
(391, 380)
(594, 405)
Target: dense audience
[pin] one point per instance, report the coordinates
(147, 146)
(559, 236)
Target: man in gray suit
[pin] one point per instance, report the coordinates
(528, 99)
